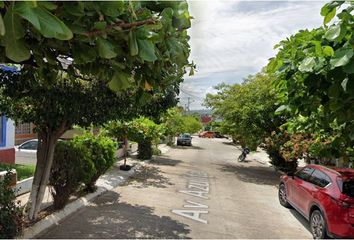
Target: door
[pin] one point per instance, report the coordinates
(299, 184)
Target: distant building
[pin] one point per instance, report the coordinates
(206, 119)
(24, 132)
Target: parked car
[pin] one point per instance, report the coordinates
(26, 153)
(219, 135)
(184, 139)
(207, 134)
(324, 196)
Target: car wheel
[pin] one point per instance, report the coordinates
(282, 196)
(318, 225)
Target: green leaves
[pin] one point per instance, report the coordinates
(328, 51)
(2, 26)
(133, 45)
(341, 57)
(333, 32)
(112, 8)
(146, 50)
(307, 64)
(105, 49)
(44, 21)
(120, 81)
(329, 16)
(15, 47)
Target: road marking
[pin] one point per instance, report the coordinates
(195, 193)
(195, 215)
(195, 205)
(203, 188)
(195, 181)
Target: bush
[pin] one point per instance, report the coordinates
(145, 149)
(276, 151)
(102, 150)
(72, 165)
(11, 214)
(156, 150)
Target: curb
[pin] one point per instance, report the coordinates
(54, 219)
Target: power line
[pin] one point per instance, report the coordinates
(189, 94)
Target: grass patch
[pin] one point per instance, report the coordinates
(23, 171)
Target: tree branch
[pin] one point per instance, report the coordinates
(122, 25)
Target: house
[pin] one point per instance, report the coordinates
(7, 140)
(24, 132)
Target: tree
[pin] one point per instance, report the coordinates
(54, 109)
(119, 44)
(191, 124)
(175, 123)
(314, 72)
(141, 130)
(247, 109)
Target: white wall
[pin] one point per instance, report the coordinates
(10, 133)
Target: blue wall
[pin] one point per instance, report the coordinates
(3, 131)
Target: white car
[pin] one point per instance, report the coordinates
(26, 153)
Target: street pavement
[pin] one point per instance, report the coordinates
(190, 192)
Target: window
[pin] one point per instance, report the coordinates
(348, 188)
(305, 173)
(32, 145)
(23, 128)
(319, 178)
(2, 131)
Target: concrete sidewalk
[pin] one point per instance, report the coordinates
(111, 179)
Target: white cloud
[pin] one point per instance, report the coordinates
(238, 37)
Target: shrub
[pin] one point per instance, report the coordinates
(11, 214)
(102, 151)
(72, 165)
(156, 150)
(275, 149)
(145, 149)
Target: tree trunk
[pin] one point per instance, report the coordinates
(45, 154)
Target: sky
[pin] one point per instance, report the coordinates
(233, 39)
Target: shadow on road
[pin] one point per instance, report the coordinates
(188, 147)
(165, 161)
(148, 176)
(301, 219)
(230, 143)
(107, 217)
(253, 174)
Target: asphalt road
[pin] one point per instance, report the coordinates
(190, 192)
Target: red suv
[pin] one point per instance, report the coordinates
(323, 196)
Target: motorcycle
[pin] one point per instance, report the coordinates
(243, 155)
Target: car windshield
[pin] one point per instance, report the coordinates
(185, 136)
(31, 145)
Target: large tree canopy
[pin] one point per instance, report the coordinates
(69, 53)
(314, 78)
(120, 42)
(247, 109)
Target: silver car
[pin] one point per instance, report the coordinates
(26, 153)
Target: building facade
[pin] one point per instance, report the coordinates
(7, 140)
(24, 132)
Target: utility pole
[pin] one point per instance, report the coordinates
(188, 103)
